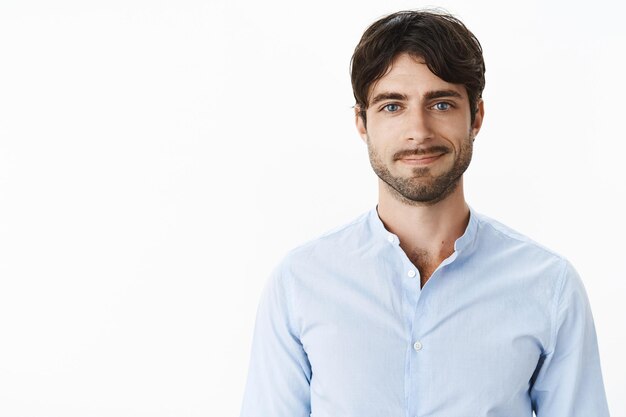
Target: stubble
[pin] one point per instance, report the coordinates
(422, 187)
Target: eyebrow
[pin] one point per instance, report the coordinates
(431, 95)
(388, 96)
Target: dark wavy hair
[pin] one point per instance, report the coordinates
(448, 48)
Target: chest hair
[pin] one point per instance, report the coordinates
(425, 262)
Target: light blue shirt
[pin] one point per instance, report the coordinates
(501, 329)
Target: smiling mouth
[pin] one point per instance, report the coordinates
(421, 159)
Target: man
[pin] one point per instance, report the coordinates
(423, 307)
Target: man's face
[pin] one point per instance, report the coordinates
(419, 132)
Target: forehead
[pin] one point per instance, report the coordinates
(411, 76)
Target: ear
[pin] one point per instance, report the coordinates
(478, 118)
(360, 123)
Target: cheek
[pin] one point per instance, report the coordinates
(455, 136)
(383, 130)
(381, 152)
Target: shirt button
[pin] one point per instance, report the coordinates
(417, 346)
(390, 238)
(411, 273)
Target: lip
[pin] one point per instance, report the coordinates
(420, 159)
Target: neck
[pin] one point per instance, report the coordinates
(422, 228)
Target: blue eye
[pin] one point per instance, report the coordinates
(391, 108)
(443, 106)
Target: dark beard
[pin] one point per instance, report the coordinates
(421, 188)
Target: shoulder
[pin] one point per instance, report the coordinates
(541, 271)
(325, 255)
(497, 233)
(519, 255)
(342, 238)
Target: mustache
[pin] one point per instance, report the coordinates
(420, 151)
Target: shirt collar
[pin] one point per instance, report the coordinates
(380, 232)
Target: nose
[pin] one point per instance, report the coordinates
(418, 126)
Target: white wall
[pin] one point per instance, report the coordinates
(157, 159)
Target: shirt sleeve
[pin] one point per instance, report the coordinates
(569, 382)
(279, 373)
